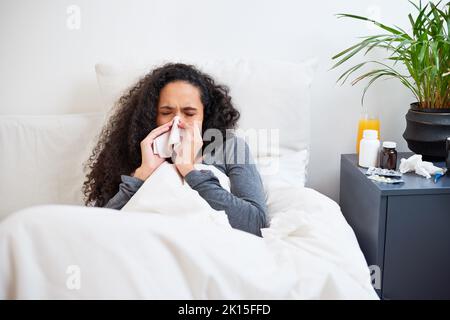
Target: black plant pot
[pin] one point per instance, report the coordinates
(426, 131)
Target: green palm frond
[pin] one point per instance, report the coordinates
(425, 53)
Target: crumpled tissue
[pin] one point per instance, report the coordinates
(423, 168)
(165, 144)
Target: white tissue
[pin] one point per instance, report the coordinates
(423, 168)
(165, 144)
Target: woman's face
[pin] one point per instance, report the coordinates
(180, 98)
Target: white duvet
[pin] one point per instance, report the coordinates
(73, 252)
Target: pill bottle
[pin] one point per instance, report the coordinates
(388, 156)
(447, 155)
(369, 149)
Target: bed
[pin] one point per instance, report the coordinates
(53, 247)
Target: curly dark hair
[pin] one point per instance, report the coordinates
(134, 116)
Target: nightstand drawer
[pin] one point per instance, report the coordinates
(417, 247)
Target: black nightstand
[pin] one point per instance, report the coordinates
(403, 229)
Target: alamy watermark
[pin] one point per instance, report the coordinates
(375, 276)
(238, 146)
(73, 281)
(73, 20)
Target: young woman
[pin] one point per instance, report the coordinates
(123, 158)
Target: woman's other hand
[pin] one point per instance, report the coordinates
(187, 153)
(150, 161)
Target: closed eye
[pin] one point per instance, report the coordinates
(190, 111)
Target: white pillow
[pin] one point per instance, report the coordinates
(269, 94)
(166, 192)
(287, 170)
(42, 158)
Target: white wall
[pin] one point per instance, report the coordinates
(46, 67)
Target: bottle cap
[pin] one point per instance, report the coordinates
(389, 144)
(370, 134)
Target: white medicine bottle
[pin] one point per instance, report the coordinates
(369, 149)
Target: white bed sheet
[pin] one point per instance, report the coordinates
(308, 252)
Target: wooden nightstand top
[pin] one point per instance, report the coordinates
(414, 184)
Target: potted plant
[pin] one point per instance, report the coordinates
(425, 55)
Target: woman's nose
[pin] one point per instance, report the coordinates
(182, 117)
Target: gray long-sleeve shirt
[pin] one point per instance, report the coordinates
(245, 204)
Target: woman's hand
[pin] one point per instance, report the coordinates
(150, 161)
(187, 153)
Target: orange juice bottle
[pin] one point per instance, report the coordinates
(367, 121)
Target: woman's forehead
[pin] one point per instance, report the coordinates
(179, 92)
